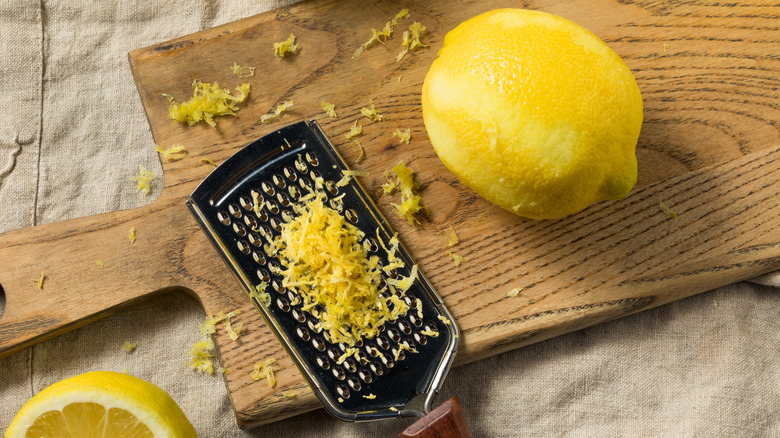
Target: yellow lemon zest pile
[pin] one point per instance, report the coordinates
(330, 109)
(263, 370)
(280, 108)
(208, 101)
(411, 40)
(285, 47)
(173, 153)
(371, 112)
(144, 178)
(242, 72)
(325, 262)
(384, 34)
(404, 135)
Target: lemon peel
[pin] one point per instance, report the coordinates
(280, 108)
(371, 112)
(173, 153)
(242, 72)
(411, 40)
(404, 135)
(144, 179)
(355, 131)
(285, 47)
(384, 34)
(330, 109)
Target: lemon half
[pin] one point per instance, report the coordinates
(101, 404)
(533, 112)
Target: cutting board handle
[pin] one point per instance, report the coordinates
(446, 421)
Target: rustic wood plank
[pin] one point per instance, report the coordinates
(709, 149)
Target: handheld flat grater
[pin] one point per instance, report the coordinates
(275, 171)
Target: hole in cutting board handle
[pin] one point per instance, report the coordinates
(2, 301)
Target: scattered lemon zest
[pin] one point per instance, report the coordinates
(371, 112)
(261, 295)
(350, 352)
(378, 353)
(242, 72)
(129, 347)
(404, 135)
(330, 109)
(411, 40)
(456, 258)
(429, 332)
(99, 262)
(411, 203)
(453, 240)
(232, 330)
(326, 264)
(666, 47)
(132, 235)
(207, 161)
(384, 34)
(348, 175)
(370, 396)
(289, 395)
(341, 400)
(208, 101)
(445, 320)
(173, 153)
(362, 153)
(285, 47)
(514, 292)
(393, 408)
(668, 211)
(355, 131)
(202, 352)
(400, 77)
(263, 370)
(222, 370)
(401, 347)
(280, 108)
(144, 178)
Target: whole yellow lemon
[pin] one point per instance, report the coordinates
(533, 112)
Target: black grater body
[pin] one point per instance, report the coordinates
(371, 385)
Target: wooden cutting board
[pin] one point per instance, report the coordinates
(710, 77)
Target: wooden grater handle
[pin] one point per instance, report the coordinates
(446, 421)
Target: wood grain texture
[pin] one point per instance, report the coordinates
(710, 77)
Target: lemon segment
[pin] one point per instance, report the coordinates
(101, 404)
(533, 112)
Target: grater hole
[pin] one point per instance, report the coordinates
(273, 266)
(405, 327)
(393, 274)
(312, 159)
(223, 217)
(339, 373)
(283, 304)
(301, 166)
(394, 334)
(332, 188)
(354, 383)
(382, 284)
(250, 221)
(365, 375)
(276, 224)
(245, 202)
(268, 188)
(399, 354)
(258, 257)
(272, 207)
(255, 240)
(234, 210)
(243, 246)
(283, 199)
(298, 315)
(318, 343)
(431, 326)
(279, 181)
(306, 184)
(323, 362)
(351, 215)
(294, 299)
(343, 390)
(265, 231)
(277, 285)
(376, 368)
(372, 245)
(239, 229)
(315, 175)
(350, 365)
(313, 325)
(361, 357)
(333, 353)
(294, 192)
(290, 174)
(415, 320)
(382, 342)
(336, 204)
(359, 343)
(387, 361)
(263, 275)
(303, 333)
(421, 339)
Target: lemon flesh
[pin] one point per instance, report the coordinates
(101, 404)
(534, 113)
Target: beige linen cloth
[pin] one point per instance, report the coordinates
(72, 132)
